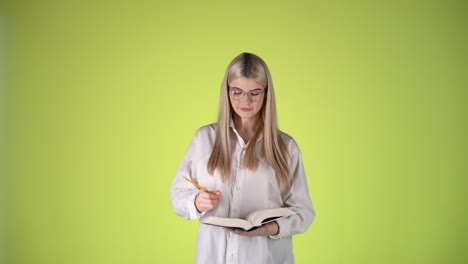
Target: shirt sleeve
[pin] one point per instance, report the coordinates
(297, 199)
(183, 193)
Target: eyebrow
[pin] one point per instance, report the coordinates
(245, 91)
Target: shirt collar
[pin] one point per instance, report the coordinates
(231, 124)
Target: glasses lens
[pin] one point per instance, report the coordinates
(236, 94)
(254, 96)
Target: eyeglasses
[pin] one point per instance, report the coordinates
(253, 95)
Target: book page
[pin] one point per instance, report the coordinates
(253, 219)
(227, 222)
(260, 217)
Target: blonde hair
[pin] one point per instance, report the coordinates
(274, 150)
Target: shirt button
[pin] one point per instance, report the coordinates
(238, 188)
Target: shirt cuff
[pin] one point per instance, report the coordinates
(193, 212)
(282, 228)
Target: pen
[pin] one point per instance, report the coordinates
(198, 186)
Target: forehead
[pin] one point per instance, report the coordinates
(245, 84)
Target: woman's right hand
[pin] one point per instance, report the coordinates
(205, 201)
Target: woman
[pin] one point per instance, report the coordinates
(248, 164)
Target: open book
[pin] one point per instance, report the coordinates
(252, 220)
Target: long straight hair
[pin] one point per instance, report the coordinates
(274, 150)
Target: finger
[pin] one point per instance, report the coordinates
(208, 204)
(244, 233)
(238, 231)
(204, 196)
(209, 201)
(214, 196)
(232, 230)
(211, 196)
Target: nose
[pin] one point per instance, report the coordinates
(246, 97)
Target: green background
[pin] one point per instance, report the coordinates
(99, 101)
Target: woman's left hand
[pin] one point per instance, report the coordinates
(269, 229)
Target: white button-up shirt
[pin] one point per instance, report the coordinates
(250, 190)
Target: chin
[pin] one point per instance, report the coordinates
(247, 115)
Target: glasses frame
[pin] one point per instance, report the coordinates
(262, 91)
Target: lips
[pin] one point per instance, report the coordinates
(245, 109)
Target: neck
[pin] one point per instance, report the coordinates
(246, 127)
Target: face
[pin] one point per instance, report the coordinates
(246, 97)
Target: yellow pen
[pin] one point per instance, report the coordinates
(198, 186)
